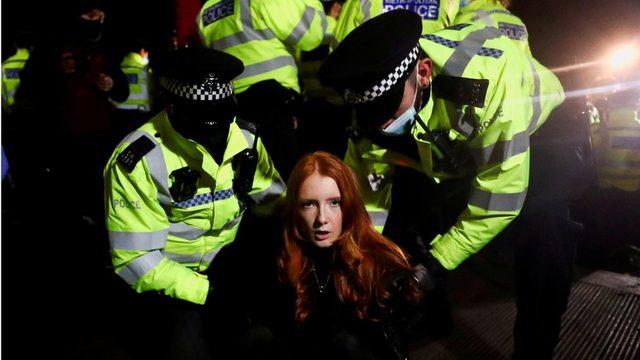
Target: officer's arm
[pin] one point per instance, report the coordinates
(138, 229)
(497, 191)
(268, 189)
(300, 24)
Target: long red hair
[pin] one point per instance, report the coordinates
(363, 258)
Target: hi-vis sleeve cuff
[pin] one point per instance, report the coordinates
(272, 193)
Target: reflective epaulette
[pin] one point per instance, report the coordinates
(134, 152)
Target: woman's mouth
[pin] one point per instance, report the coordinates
(320, 235)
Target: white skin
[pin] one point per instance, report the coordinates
(319, 207)
(424, 68)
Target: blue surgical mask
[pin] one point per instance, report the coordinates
(402, 124)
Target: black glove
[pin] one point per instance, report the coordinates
(429, 274)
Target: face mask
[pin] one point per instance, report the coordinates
(403, 123)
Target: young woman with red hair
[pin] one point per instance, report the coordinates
(353, 287)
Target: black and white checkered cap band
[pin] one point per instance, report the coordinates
(386, 83)
(210, 89)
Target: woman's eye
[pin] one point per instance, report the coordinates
(307, 204)
(335, 202)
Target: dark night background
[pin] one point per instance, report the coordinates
(562, 32)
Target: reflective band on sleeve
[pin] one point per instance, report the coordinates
(378, 217)
(185, 231)
(183, 258)
(266, 66)
(140, 266)
(302, 27)
(535, 101)
(468, 48)
(208, 257)
(497, 201)
(249, 136)
(248, 33)
(501, 151)
(485, 17)
(275, 190)
(242, 37)
(125, 240)
(366, 9)
(323, 23)
(157, 168)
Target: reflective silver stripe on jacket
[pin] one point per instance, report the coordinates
(502, 150)
(157, 166)
(266, 66)
(185, 231)
(302, 26)
(273, 191)
(485, 17)
(183, 258)
(468, 48)
(249, 137)
(193, 258)
(127, 240)
(158, 171)
(497, 201)
(535, 101)
(139, 266)
(378, 217)
(365, 5)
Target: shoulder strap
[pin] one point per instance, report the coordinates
(134, 152)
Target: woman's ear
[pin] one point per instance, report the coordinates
(425, 66)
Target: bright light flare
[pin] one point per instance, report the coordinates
(623, 56)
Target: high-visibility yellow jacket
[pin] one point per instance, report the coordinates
(519, 98)
(616, 143)
(265, 34)
(164, 245)
(493, 13)
(11, 69)
(137, 71)
(435, 14)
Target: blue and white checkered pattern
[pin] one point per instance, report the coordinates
(209, 89)
(386, 83)
(494, 53)
(204, 199)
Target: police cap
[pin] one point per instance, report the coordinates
(198, 73)
(372, 63)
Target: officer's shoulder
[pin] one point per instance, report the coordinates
(247, 125)
(131, 155)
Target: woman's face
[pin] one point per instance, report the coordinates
(319, 207)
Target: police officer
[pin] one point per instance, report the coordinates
(176, 191)
(267, 36)
(443, 130)
(11, 69)
(132, 112)
(435, 14)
